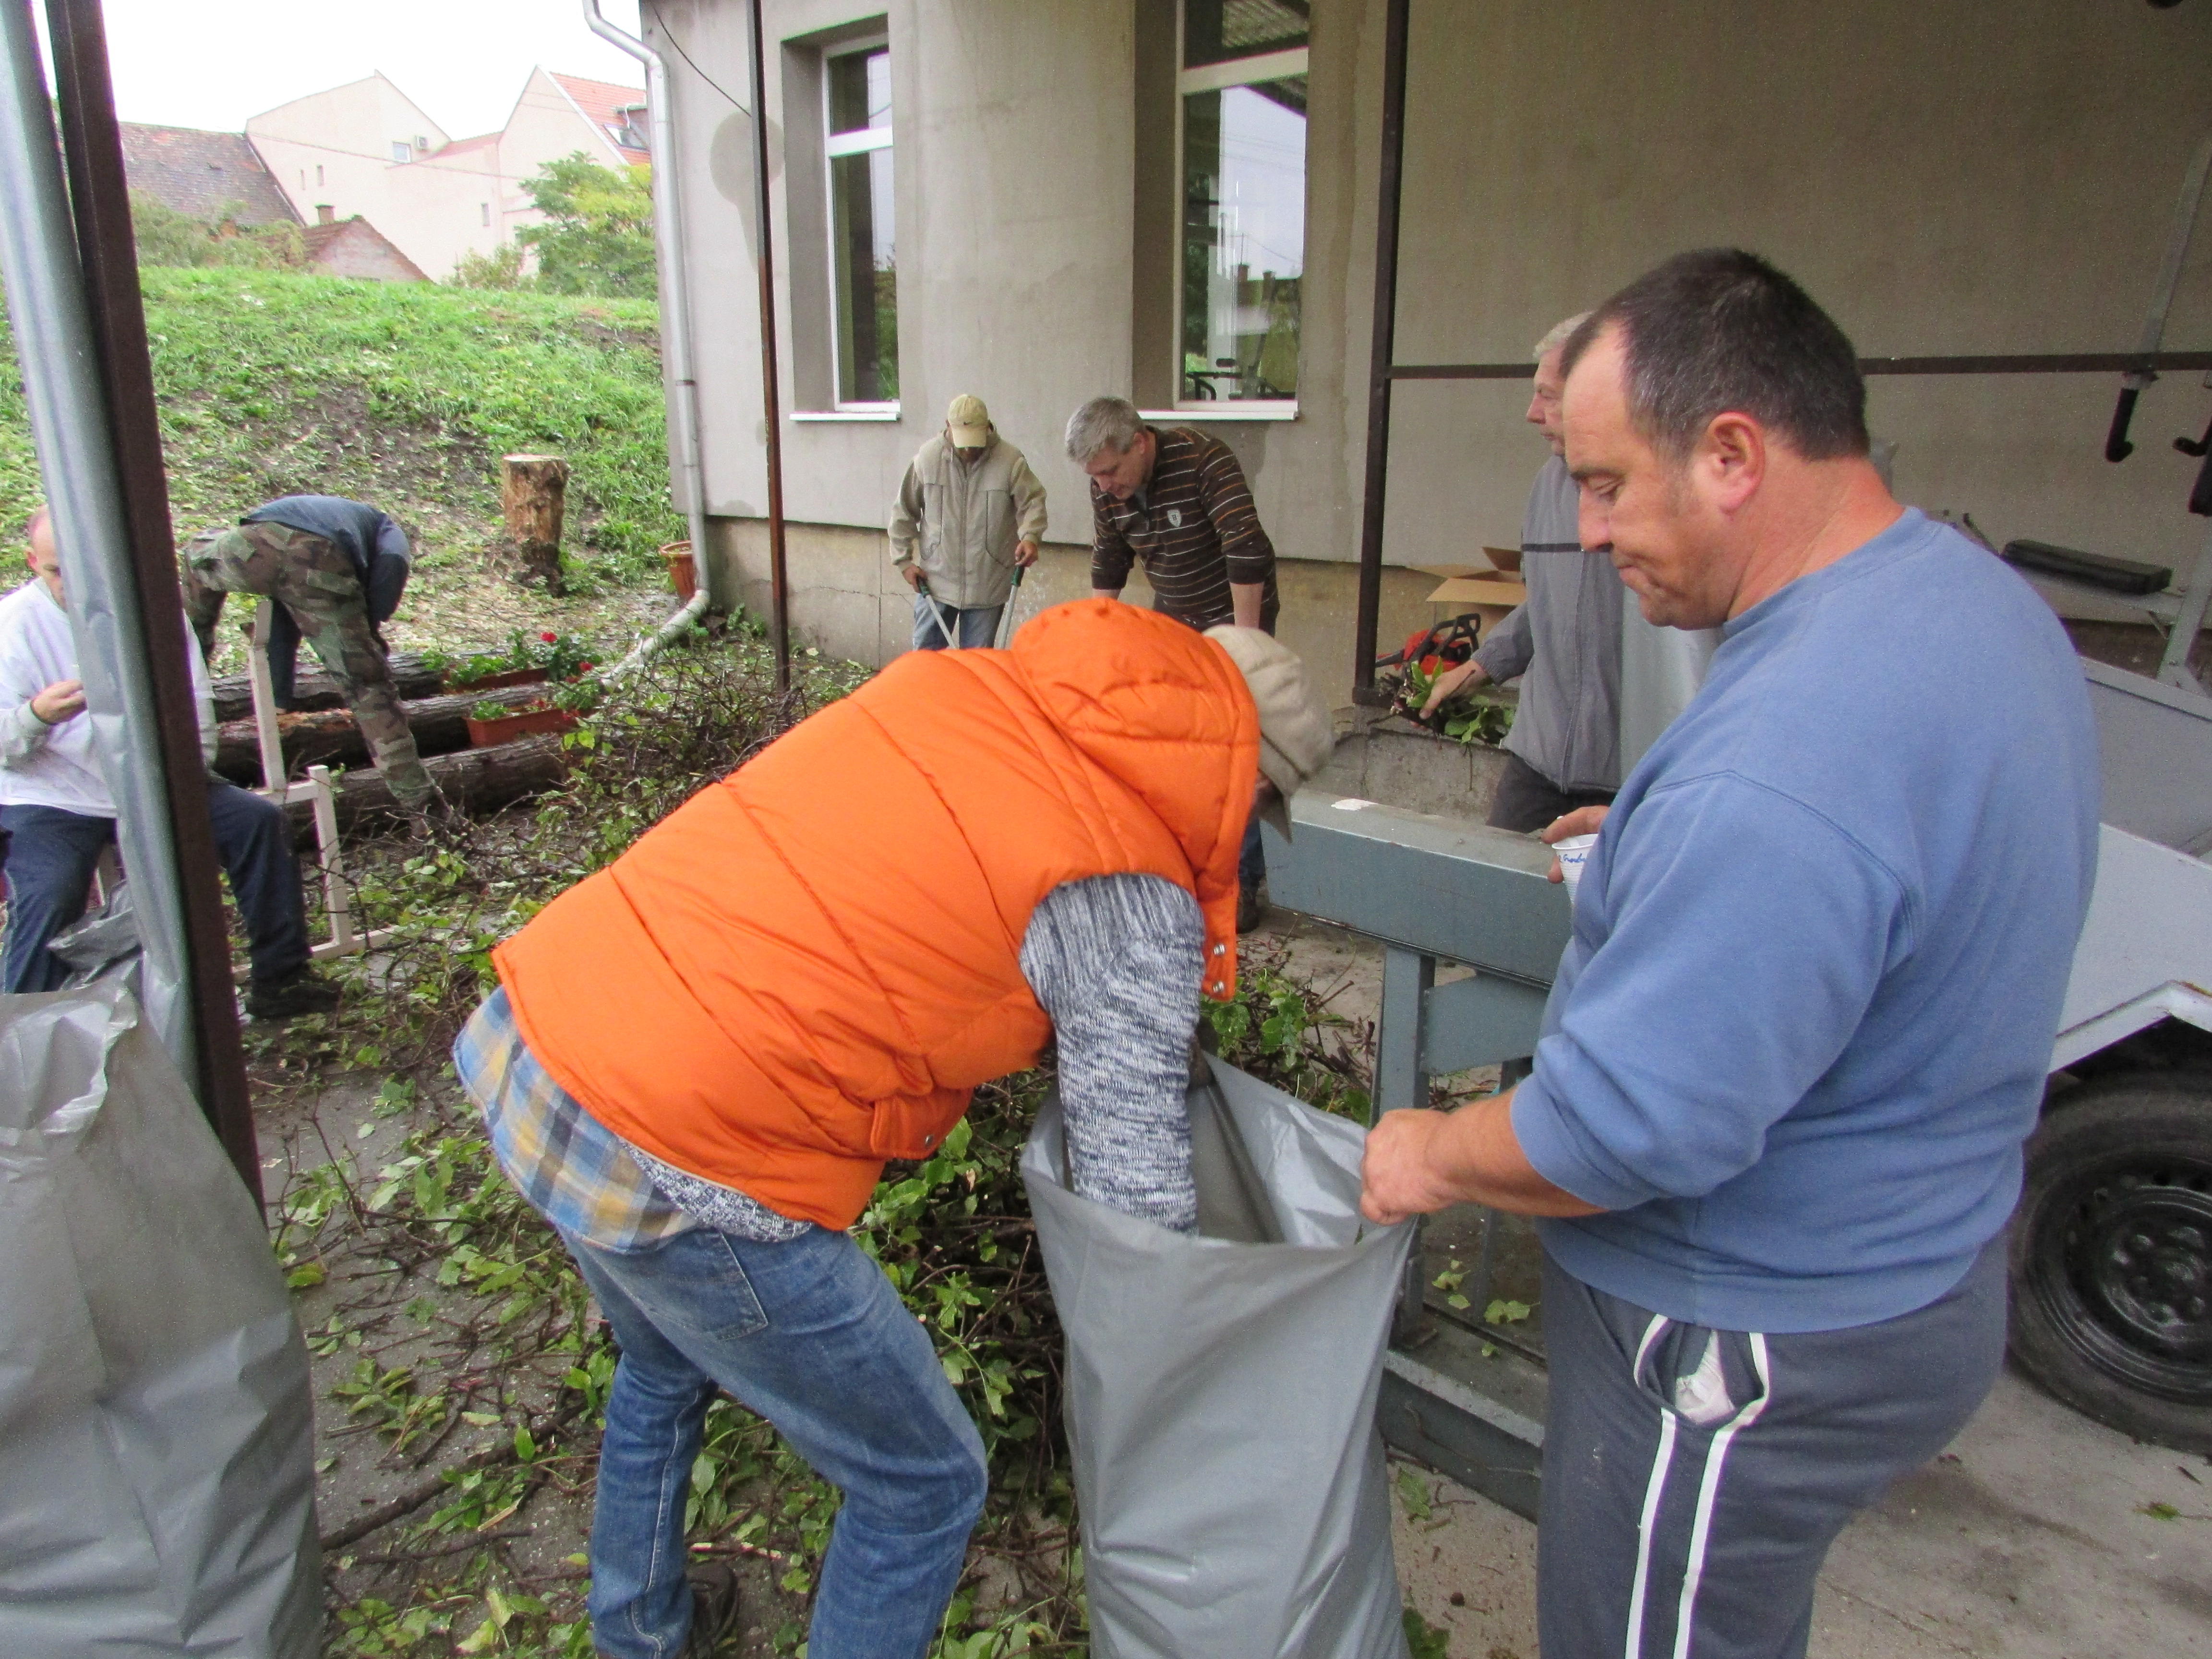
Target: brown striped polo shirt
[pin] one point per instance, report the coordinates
(1195, 527)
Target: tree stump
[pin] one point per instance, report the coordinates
(533, 498)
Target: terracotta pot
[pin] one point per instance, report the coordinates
(506, 677)
(528, 722)
(683, 574)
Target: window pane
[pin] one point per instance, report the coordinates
(860, 91)
(867, 277)
(1244, 239)
(1217, 31)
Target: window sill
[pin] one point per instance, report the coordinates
(1223, 411)
(878, 416)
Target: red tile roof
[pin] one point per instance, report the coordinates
(603, 103)
(204, 175)
(371, 253)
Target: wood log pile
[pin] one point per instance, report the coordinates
(323, 733)
(473, 781)
(328, 737)
(312, 689)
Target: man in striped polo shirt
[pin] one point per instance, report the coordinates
(1176, 499)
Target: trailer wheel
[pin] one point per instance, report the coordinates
(2111, 1256)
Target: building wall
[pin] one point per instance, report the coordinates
(1944, 183)
(348, 132)
(434, 206)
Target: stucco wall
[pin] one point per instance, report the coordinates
(1945, 179)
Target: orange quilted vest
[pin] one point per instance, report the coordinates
(808, 966)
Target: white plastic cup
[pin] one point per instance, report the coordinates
(1573, 853)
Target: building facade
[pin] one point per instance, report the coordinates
(367, 150)
(1175, 200)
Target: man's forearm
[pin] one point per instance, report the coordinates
(22, 733)
(1246, 600)
(1419, 1162)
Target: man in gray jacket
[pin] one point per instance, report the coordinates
(969, 512)
(1564, 642)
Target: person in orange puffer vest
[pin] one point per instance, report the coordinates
(700, 1058)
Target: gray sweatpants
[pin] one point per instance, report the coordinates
(1694, 1478)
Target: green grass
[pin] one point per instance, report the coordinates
(405, 394)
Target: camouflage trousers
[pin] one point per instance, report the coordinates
(311, 578)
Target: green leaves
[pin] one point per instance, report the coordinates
(597, 237)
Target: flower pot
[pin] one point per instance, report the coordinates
(524, 723)
(506, 677)
(682, 574)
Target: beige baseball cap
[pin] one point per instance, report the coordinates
(1296, 737)
(968, 423)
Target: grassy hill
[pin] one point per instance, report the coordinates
(406, 395)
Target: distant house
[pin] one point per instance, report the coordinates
(355, 247)
(213, 176)
(366, 150)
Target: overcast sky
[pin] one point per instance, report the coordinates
(212, 62)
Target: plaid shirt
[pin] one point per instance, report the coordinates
(575, 1172)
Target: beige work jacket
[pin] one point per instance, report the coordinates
(961, 519)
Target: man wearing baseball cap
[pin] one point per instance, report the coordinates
(700, 1058)
(969, 512)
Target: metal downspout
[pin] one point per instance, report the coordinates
(671, 250)
(675, 327)
(76, 462)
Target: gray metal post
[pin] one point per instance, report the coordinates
(76, 461)
(1407, 977)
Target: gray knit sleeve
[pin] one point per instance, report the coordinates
(1115, 961)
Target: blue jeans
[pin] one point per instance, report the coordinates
(51, 853)
(810, 1334)
(978, 625)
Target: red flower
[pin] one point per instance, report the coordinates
(548, 638)
(583, 668)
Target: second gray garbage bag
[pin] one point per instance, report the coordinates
(157, 1485)
(1221, 1391)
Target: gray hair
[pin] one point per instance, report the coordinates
(1102, 423)
(1557, 337)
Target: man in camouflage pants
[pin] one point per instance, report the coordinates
(325, 590)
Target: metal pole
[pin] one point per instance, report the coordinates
(778, 576)
(89, 387)
(671, 254)
(1388, 192)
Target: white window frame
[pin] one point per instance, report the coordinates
(1219, 77)
(835, 145)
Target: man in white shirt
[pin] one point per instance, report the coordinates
(57, 815)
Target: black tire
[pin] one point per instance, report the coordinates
(2111, 1256)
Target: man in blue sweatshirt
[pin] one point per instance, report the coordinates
(1801, 1030)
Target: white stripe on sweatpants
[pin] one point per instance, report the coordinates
(1709, 1491)
(1653, 1490)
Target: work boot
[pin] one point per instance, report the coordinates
(713, 1610)
(1249, 907)
(302, 991)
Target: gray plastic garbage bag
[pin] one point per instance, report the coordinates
(102, 940)
(157, 1434)
(1221, 1391)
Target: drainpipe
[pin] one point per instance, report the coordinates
(675, 324)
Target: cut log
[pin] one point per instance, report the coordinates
(329, 737)
(477, 780)
(313, 689)
(533, 499)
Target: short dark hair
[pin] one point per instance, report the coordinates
(1719, 329)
